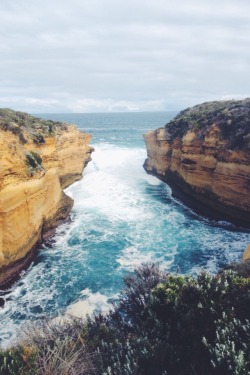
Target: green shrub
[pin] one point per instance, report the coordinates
(232, 118)
(161, 325)
(231, 348)
(34, 162)
(18, 122)
(18, 361)
(36, 157)
(13, 128)
(173, 327)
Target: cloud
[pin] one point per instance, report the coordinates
(111, 55)
(109, 105)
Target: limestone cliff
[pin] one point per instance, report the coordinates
(204, 156)
(38, 158)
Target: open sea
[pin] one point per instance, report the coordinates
(122, 217)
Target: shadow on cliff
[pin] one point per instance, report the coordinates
(162, 193)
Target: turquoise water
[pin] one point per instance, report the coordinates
(121, 218)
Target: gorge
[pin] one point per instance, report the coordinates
(122, 217)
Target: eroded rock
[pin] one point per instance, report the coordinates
(38, 158)
(204, 156)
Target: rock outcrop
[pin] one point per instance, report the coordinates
(246, 254)
(38, 158)
(204, 156)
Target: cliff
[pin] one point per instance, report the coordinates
(204, 156)
(38, 158)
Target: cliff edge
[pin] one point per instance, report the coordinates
(38, 158)
(203, 154)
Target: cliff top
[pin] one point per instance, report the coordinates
(21, 122)
(231, 116)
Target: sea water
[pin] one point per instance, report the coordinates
(122, 217)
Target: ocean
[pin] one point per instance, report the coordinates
(122, 218)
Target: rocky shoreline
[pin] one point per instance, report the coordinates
(204, 156)
(38, 159)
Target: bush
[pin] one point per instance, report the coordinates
(231, 347)
(162, 325)
(19, 122)
(173, 326)
(18, 361)
(34, 162)
(60, 348)
(232, 118)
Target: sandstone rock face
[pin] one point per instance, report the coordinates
(32, 176)
(246, 254)
(204, 155)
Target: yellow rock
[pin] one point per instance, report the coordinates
(246, 254)
(202, 172)
(32, 201)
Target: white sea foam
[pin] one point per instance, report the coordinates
(122, 217)
(93, 303)
(132, 257)
(152, 180)
(106, 187)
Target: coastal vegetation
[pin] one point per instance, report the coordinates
(39, 158)
(20, 122)
(231, 116)
(203, 155)
(162, 324)
(34, 162)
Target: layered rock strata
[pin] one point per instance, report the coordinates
(38, 159)
(204, 156)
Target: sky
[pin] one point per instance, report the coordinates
(117, 56)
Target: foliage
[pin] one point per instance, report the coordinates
(175, 327)
(19, 122)
(34, 159)
(34, 162)
(162, 325)
(17, 361)
(60, 348)
(232, 345)
(241, 268)
(232, 117)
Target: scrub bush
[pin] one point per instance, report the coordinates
(175, 326)
(20, 123)
(34, 162)
(161, 325)
(232, 118)
(18, 361)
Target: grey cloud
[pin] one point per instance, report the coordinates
(115, 55)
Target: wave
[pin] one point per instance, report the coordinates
(121, 218)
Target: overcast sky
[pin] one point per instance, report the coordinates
(130, 55)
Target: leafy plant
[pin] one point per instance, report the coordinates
(34, 162)
(232, 118)
(20, 122)
(17, 361)
(162, 324)
(165, 328)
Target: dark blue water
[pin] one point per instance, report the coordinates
(121, 218)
